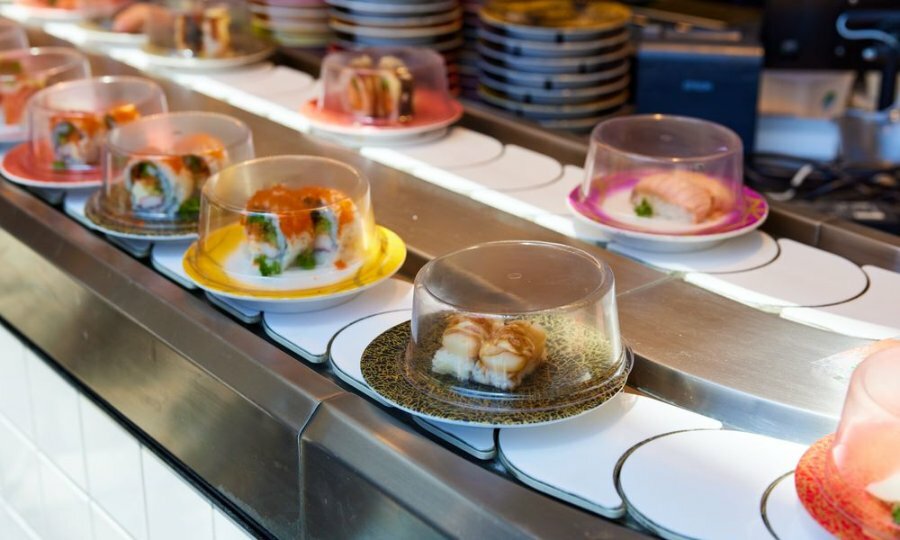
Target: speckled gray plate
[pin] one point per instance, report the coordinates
(438, 397)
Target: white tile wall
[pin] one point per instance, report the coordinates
(104, 526)
(15, 403)
(66, 508)
(113, 459)
(57, 423)
(174, 509)
(68, 471)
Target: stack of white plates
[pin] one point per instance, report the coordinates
(292, 23)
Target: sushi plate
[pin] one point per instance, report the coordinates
(428, 119)
(18, 167)
(815, 488)
(133, 228)
(750, 217)
(215, 272)
(249, 55)
(438, 398)
(100, 32)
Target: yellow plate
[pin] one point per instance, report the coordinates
(384, 259)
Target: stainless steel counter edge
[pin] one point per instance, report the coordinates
(358, 464)
(185, 374)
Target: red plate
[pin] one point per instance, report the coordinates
(18, 166)
(833, 503)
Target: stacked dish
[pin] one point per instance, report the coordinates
(468, 55)
(434, 24)
(155, 168)
(205, 34)
(68, 125)
(666, 183)
(382, 96)
(562, 64)
(292, 23)
(290, 233)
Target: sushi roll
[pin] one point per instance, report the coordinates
(77, 139)
(309, 228)
(169, 187)
(490, 351)
(382, 93)
(204, 33)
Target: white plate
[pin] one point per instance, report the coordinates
(245, 314)
(308, 334)
(704, 484)
(739, 254)
(517, 169)
(661, 242)
(574, 460)
(875, 314)
(785, 515)
(345, 352)
(461, 147)
(53, 186)
(144, 237)
(370, 135)
(166, 257)
(801, 276)
(97, 35)
(207, 64)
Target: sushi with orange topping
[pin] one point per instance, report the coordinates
(78, 137)
(307, 228)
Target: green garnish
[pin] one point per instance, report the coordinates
(59, 166)
(269, 233)
(189, 208)
(644, 209)
(322, 225)
(266, 267)
(195, 164)
(306, 260)
(896, 513)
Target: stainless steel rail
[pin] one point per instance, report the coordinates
(299, 455)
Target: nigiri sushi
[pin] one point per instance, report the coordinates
(489, 351)
(680, 196)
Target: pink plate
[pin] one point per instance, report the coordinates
(432, 113)
(754, 209)
(18, 166)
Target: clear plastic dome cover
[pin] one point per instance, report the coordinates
(515, 325)
(200, 29)
(25, 71)
(68, 122)
(154, 168)
(284, 223)
(382, 86)
(663, 174)
(12, 36)
(863, 466)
